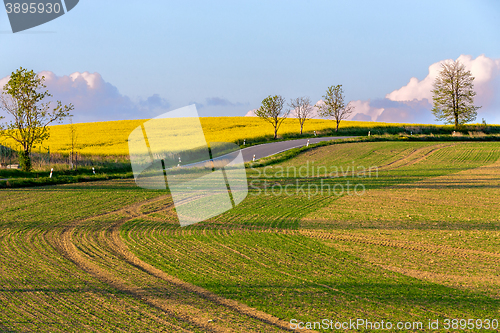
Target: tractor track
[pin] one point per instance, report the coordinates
(413, 158)
(108, 240)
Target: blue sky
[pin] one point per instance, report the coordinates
(227, 56)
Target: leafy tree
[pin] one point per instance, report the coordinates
(454, 94)
(303, 110)
(333, 105)
(272, 111)
(22, 99)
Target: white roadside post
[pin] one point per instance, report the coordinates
(179, 164)
(253, 160)
(51, 169)
(314, 133)
(307, 143)
(368, 133)
(244, 142)
(93, 170)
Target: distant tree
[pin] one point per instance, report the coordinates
(303, 110)
(333, 105)
(454, 94)
(22, 99)
(272, 111)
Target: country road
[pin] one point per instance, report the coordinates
(268, 149)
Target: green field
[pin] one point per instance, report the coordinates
(415, 238)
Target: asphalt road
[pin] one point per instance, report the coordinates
(269, 149)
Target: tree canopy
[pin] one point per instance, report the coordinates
(272, 111)
(453, 94)
(333, 105)
(29, 115)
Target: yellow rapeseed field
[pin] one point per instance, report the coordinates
(110, 138)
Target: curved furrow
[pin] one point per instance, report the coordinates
(43, 298)
(101, 252)
(230, 304)
(414, 157)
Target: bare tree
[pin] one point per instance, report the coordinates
(454, 94)
(272, 111)
(333, 105)
(22, 100)
(303, 110)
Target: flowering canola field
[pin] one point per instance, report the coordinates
(110, 138)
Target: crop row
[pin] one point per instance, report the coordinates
(291, 276)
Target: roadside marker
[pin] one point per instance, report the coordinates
(93, 170)
(314, 133)
(307, 143)
(244, 142)
(368, 133)
(51, 169)
(253, 160)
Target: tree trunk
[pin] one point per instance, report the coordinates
(301, 125)
(25, 160)
(337, 128)
(275, 133)
(456, 120)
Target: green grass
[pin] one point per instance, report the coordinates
(292, 276)
(12, 178)
(273, 267)
(42, 290)
(422, 242)
(46, 207)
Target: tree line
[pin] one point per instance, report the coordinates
(453, 99)
(274, 111)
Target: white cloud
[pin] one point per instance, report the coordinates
(416, 89)
(484, 70)
(363, 111)
(251, 113)
(3, 82)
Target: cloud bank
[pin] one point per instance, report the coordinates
(97, 100)
(214, 106)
